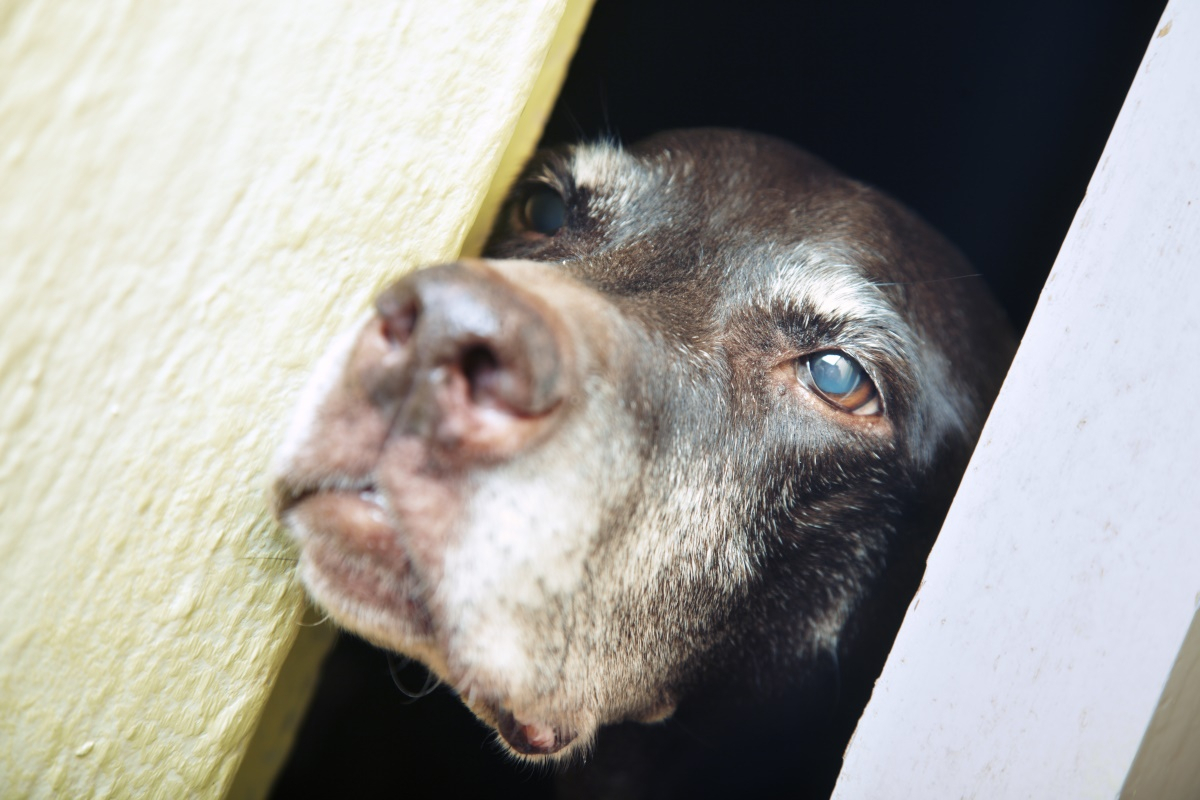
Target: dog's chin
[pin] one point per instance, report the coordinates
(352, 566)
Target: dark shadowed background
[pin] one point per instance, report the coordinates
(987, 118)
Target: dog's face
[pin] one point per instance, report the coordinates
(662, 434)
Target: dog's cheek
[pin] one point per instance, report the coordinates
(518, 573)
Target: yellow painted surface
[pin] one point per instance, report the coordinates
(533, 119)
(193, 198)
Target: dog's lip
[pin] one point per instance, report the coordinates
(289, 495)
(354, 562)
(356, 514)
(532, 738)
(526, 734)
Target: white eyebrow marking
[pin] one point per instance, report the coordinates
(618, 180)
(823, 282)
(603, 163)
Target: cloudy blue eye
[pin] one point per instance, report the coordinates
(840, 380)
(544, 211)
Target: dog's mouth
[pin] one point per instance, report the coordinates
(354, 563)
(355, 515)
(525, 734)
(532, 738)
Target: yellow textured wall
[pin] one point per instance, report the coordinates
(194, 196)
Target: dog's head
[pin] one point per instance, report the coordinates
(663, 433)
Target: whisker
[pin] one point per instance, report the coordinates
(319, 622)
(931, 280)
(397, 662)
(282, 559)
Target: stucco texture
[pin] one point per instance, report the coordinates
(194, 197)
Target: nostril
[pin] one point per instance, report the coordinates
(482, 370)
(398, 318)
(462, 354)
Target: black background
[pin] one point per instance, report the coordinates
(987, 118)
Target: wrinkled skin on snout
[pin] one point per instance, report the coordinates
(601, 468)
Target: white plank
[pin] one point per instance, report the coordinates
(1068, 570)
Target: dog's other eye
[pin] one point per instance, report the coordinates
(544, 211)
(840, 379)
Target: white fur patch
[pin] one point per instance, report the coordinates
(329, 371)
(826, 283)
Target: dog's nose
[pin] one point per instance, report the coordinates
(486, 364)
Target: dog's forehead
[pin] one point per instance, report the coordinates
(779, 229)
(751, 235)
(825, 280)
(615, 175)
(683, 183)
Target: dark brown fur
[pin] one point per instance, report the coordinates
(639, 364)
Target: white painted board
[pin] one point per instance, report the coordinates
(1068, 570)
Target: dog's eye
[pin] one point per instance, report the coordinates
(840, 380)
(544, 211)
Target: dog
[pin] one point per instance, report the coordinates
(680, 440)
